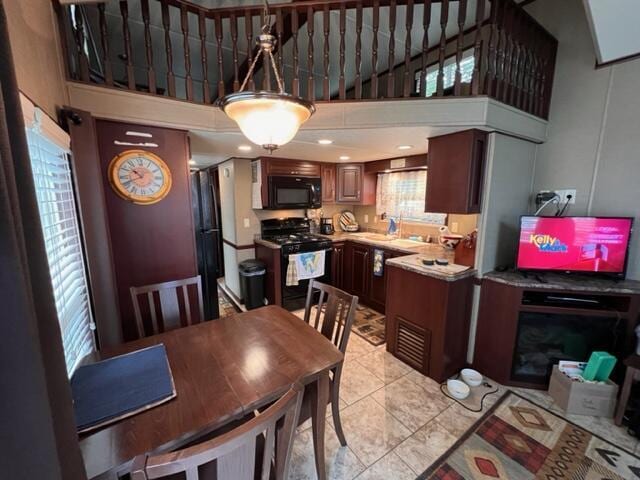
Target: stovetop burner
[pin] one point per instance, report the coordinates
(294, 238)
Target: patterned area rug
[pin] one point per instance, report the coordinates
(517, 439)
(368, 324)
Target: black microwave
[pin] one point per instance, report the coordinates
(294, 192)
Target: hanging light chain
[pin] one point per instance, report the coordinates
(266, 42)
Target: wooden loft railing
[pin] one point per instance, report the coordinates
(329, 50)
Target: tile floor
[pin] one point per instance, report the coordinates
(397, 422)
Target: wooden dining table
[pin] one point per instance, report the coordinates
(223, 370)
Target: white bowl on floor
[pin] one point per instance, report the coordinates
(471, 377)
(458, 389)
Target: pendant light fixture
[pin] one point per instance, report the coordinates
(267, 118)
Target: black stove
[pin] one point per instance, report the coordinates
(294, 236)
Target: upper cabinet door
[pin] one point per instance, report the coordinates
(349, 179)
(328, 175)
(456, 172)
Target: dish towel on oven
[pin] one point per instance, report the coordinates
(303, 266)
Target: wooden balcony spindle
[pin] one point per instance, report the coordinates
(248, 28)
(79, 37)
(151, 73)
(391, 63)
(489, 80)
(126, 35)
(104, 42)
(500, 51)
(326, 94)
(374, 49)
(426, 21)
(407, 74)
(279, 45)
(342, 90)
(508, 51)
(218, 28)
(444, 20)
(516, 60)
(295, 85)
(358, 79)
(202, 30)
(166, 25)
(311, 94)
(233, 22)
(184, 22)
(529, 70)
(526, 68)
(477, 49)
(462, 16)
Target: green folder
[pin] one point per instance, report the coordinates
(599, 367)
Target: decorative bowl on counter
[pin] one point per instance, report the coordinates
(451, 240)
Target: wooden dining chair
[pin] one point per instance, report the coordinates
(244, 453)
(334, 316)
(172, 310)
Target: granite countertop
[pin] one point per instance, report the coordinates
(413, 263)
(554, 281)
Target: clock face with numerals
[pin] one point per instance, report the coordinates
(140, 177)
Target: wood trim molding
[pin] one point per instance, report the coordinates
(238, 247)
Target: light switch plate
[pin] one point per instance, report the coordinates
(366, 218)
(247, 223)
(454, 227)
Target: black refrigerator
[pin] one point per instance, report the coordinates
(205, 198)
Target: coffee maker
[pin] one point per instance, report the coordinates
(326, 226)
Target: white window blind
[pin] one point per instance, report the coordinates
(58, 216)
(403, 193)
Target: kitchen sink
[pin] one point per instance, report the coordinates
(378, 237)
(402, 243)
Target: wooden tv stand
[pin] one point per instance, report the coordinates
(507, 297)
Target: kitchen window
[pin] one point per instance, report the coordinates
(403, 194)
(60, 226)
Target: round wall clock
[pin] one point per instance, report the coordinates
(140, 177)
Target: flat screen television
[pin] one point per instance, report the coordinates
(597, 245)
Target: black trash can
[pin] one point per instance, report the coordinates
(252, 273)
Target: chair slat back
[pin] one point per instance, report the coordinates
(167, 295)
(335, 313)
(234, 452)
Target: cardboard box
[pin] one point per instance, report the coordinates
(580, 398)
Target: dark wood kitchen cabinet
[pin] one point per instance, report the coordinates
(428, 321)
(337, 265)
(282, 167)
(358, 270)
(328, 178)
(377, 293)
(456, 172)
(354, 186)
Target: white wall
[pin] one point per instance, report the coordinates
(507, 192)
(594, 123)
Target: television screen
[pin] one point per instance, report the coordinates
(574, 244)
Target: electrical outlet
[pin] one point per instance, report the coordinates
(366, 218)
(247, 223)
(375, 219)
(454, 227)
(566, 192)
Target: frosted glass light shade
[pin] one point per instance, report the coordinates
(268, 119)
